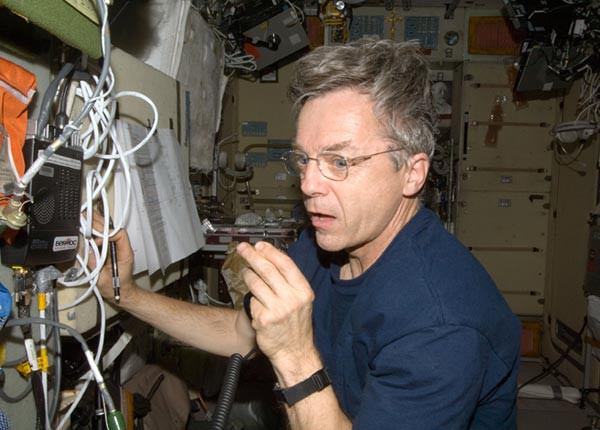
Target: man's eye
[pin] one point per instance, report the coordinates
(301, 160)
(339, 163)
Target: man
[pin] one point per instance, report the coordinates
(411, 330)
(439, 91)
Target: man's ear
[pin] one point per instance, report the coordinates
(416, 174)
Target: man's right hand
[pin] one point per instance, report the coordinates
(124, 263)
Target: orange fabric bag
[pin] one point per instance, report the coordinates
(17, 87)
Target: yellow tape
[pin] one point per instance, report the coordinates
(43, 363)
(42, 302)
(24, 368)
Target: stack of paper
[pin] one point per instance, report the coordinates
(162, 223)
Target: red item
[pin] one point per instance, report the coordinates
(17, 87)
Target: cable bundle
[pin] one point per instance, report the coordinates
(99, 143)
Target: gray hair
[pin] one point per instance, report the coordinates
(394, 75)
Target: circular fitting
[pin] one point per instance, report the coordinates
(222, 161)
(16, 220)
(239, 161)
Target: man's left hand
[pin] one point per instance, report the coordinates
(282, 304)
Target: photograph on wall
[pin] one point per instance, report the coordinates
(442, 98)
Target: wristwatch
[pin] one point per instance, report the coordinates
(316, 382)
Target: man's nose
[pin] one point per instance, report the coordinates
(312, 181)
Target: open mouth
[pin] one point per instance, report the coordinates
(319, 219)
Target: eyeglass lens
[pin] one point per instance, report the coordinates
(332, 166)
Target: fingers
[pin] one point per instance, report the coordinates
(98, 225)
(272, 275)
(262, 263)
(269, 262)
(250, 274)
(120, 237)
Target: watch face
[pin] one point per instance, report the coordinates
(451, 38)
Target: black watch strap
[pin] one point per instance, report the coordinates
(316, 382)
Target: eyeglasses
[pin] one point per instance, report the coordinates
(332, 166)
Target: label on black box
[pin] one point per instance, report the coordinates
(64, 243)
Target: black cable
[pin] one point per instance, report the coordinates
(558, 361)
(13, 363)
(61, 119)
(46, 105)
(35, 375)
(52, 411)
(227, 394)
(252, 351)
(16, 399)
(566, 381)
(54, 333)
(39, 398)
(116, 15)
(57, 362)
(33, 320)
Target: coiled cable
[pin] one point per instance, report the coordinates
(227, 393)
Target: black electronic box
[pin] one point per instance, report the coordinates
(52, 232)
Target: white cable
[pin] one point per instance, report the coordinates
(588, 103)
(22, 182)
(11, 159)
(99, 109)
(100, 181)
(96, 360)
(128, 184)
(238, 60)
(217, 302)
(100, 260)
(43, 338)
(92, 133)
(297, 11)
(225, 187)
(105, 413)
(192, 293)
(150, 132)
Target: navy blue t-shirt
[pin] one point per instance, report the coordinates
(421, 340)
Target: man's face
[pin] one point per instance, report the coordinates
(438, 91)
(362, 211)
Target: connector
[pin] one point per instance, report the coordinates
(14, 215)
(115, 420)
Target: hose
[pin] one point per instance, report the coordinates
(227, 394)
(49, 94)
(38, 397)
(57, 362)
(15, 399)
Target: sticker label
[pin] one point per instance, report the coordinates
(47, 171)
(61, 160)
(31, 355)
(64, 243)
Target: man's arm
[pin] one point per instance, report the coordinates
(217, 330)
(282, 317)
(220, 331)
(320, 410)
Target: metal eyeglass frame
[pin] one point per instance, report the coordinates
(286, 158)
